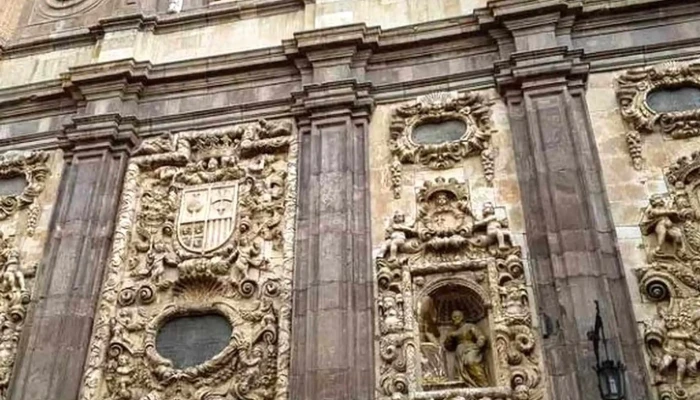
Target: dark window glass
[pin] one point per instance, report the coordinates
(14, 185)
(441, 132)
(190, 341)
(674, 99)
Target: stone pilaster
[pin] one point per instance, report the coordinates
(570, 233)
(332, 349)
(96, 147)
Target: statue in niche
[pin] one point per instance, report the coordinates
(452, 350)
(494, 229)
(663, 220)
(467, 342)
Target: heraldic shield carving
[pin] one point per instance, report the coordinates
(196, 301)
(207, 216)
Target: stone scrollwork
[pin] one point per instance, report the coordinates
(453, 309)
(205, 228)
(671, 226)
(32, 167)
(633, 92)
(471, 131)
(20, 212)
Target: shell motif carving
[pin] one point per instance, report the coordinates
(633, 90)
(453, 310)
(206, 226)
(470, 110)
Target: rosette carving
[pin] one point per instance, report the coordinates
(205, 228)
(453, 310)
(470, 112)
(633, 91)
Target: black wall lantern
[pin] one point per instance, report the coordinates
(611, 374)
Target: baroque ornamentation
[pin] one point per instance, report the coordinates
(453, 310)
(205, 226)
(471, 111)
(16, 281)
(65, 8)
(32, 166)
(671, 225)
(634, 88)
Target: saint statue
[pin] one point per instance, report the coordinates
(468, 344)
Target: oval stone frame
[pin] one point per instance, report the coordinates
(633, 90)
(163, 368)
(472, 109)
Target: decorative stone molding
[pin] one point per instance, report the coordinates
(16, 274)
(471, 110)
(671, 225)
(56, 9)
(453, 310)
(33, 168)
(634, 88)
(206, 226)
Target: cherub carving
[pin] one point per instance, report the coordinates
(124, 322)
(493, 230)
(396, 235)
(389, 307)
(158, 257)
(663, 221)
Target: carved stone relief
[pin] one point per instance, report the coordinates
(671, 225)
(205, 228)
(676, 121)
(20, 251)
(467, 125)
(64, 8)
(453, 309)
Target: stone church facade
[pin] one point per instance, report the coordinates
(348, 199)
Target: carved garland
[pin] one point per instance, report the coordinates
(453, 311)
(206, 225)
(671, 224)
(633, 90)
(472, 109)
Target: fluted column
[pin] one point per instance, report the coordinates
(332, 349)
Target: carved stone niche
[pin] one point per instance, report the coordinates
(453, 310)
(202, 253)
(671, 225)
(662, 98)
(439, 130)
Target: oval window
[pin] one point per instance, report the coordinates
(12, 186)
(665, 100)
(192, 340)
(440, 132)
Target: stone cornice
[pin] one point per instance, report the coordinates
(536, 69)
(95, 133)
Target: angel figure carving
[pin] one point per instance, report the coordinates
(396, 235)
(494, 229)
(663, 221)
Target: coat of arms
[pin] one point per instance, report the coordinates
(207, 216)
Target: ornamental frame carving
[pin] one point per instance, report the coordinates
(473, 109)
(671, 228)
(473, 258)
(633, 88)
(245, 275)
(16, 275)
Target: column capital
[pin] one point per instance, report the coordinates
(332, 54)
(541, 68)
(325, 100)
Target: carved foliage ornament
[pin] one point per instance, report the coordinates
(633, 93)
(467, 113)
(16, 278)
(671, 225)
(453, 311)
(205, 228)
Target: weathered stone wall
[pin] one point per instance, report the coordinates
(9, 19)
(630, 191)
